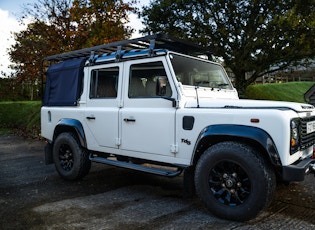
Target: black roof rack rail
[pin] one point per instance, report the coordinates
(157, 41)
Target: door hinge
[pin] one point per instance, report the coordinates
(174, 148)
(118, 141)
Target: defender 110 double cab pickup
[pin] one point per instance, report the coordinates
(150, 104)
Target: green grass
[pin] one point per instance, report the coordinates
(20, 117)
(291, 91)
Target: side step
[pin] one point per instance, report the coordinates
(142, 168)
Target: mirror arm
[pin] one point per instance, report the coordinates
(173, 100)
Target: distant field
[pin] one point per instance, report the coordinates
(24, 117)
(291, 91)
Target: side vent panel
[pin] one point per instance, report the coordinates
(188, 122)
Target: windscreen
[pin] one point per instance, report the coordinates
(196, 72)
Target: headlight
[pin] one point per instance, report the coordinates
(294, 136)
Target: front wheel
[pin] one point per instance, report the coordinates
(234, 181)
(71, 160)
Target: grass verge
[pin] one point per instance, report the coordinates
(291, 91)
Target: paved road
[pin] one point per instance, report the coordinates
(33, 196)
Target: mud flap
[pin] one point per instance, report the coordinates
(189, 183)
(48, 154)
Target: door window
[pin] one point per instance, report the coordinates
(104, 83)
(143, 80)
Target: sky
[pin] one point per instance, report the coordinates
(10, 10)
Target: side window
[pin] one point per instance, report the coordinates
(143, 80)
(104, 83)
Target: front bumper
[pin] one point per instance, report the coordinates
(298, 171)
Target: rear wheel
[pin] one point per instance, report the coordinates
(71, 160)
(234, 181)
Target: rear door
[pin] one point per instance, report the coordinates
(102, 108)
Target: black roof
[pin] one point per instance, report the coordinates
(157, 41)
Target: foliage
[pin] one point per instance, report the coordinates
(22, 118)
(291, 91)
(62, 25)
(253, 37)
(13, 90)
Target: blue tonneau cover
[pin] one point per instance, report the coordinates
(64, 83)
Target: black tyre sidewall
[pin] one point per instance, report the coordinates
(261, 180)
(81, 164)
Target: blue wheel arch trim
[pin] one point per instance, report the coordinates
(244, 132)
(72, 123)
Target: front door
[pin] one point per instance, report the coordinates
(147, 119)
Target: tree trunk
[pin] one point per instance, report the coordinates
(31, 92)
(240, 83)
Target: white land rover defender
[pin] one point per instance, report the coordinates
(150, 104)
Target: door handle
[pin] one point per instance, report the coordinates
(130, 120)
(90, 118)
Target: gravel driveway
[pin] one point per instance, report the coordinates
(33, 196)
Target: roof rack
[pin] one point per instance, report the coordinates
(150, 42)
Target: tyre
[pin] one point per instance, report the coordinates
(234, 181)
(71, 161)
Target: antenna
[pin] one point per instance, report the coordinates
(196, 88)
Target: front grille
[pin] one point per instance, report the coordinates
(306, 140)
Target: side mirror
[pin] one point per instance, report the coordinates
(161, 83)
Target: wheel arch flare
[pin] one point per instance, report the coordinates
(252, 136)
(71, 125)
